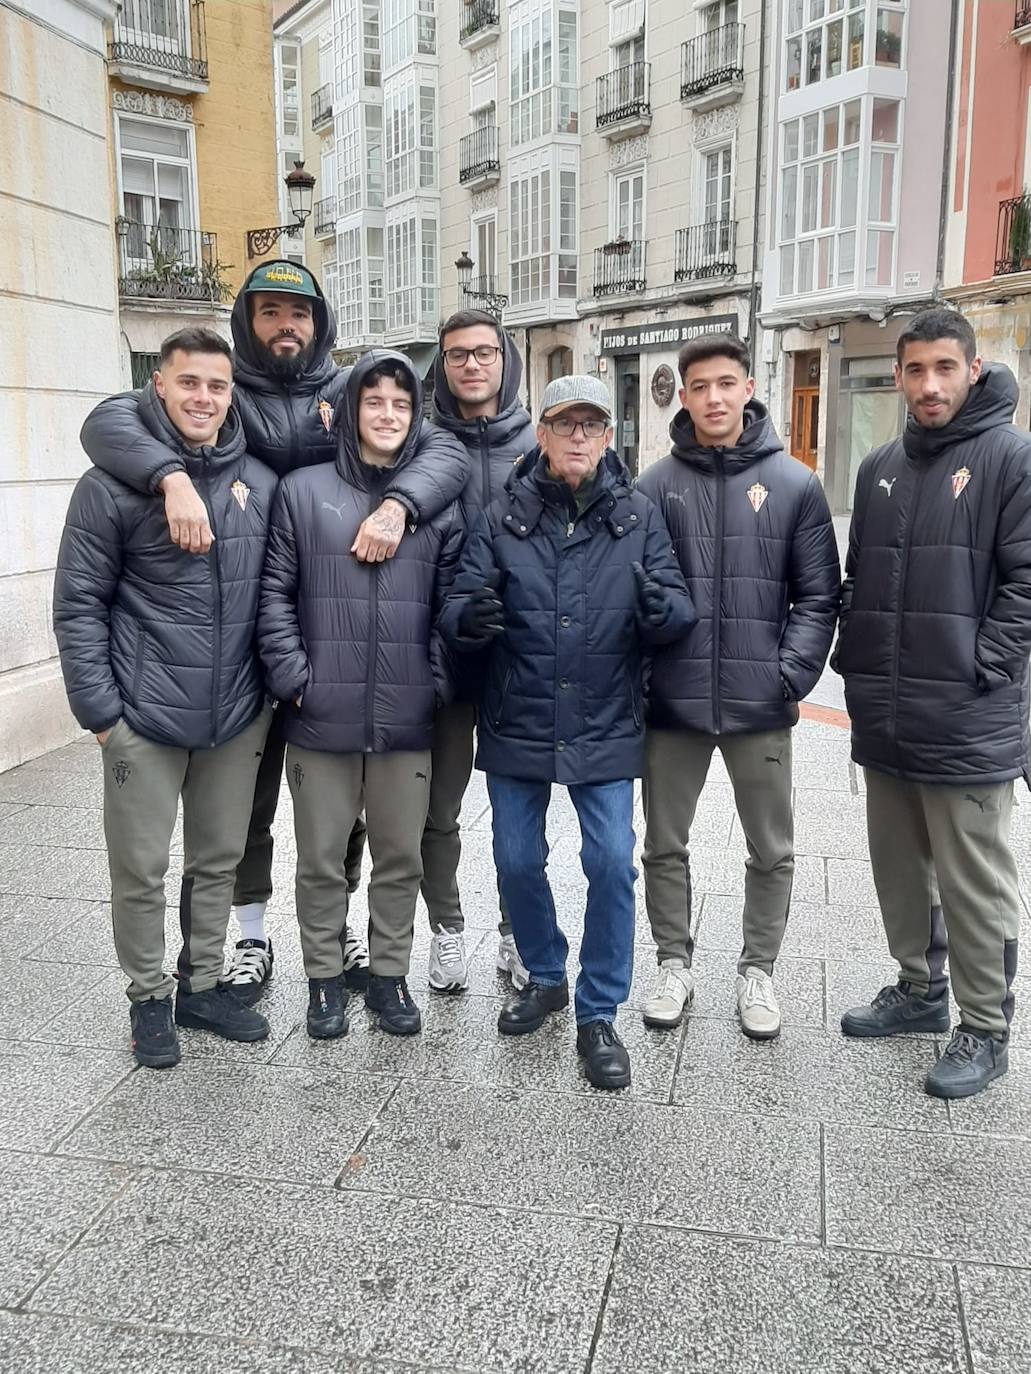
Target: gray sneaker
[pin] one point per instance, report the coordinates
(898, 1010)
(970, 1062)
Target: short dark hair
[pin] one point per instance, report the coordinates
(393, 372)
(468, 319)
(708, 346)
(938, 323)
(193, 340)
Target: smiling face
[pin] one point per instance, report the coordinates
(935, 378)
(282, 322)
(714, 394)
(196, 389)
(384, 419)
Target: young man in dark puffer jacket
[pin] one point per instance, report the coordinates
(157, 651)
(349, 647)
(754, 538)
(935, 634)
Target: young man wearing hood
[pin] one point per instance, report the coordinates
(934, 642)
(753, 534)
(288, 389)
(349, 649)
(475, 398)
(157, 651)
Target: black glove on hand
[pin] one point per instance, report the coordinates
(651, 598)
(483, 615)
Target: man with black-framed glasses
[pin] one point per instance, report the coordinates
(476, 398)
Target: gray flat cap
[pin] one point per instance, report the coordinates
(565, 392)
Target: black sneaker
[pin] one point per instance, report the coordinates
(220, 1011)
(155, 1044)
(606, 1062)
(327, 1008)
(898, 1010)
(971, 1060)
(525, 1011)
(398, 1014)
(250, 970)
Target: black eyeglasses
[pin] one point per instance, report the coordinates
(565, 429)
(483, 353)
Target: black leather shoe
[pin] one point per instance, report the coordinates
(971, 1060)
(606, 1062)
(898, 1010)
(398, 1014)
(220, 1011)
(327, 1009)
(526, 1010)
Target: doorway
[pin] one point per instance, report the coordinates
(805, 409)
(628, 411)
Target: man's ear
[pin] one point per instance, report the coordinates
(159, 384)
(976, 368)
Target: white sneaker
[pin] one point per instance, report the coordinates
(249, 969)
(757, 1005)
(449, 969)
(509, 962)
(672, 993)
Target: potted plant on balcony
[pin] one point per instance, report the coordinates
(618, 246)
(1020, 234)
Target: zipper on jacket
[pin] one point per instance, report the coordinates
(295, 450)
(501, 702)
(216, 606)
(484, 463)
(370, 672)
(903, 568)
(717, 593)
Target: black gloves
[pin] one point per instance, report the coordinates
(651, 598)
(482, 617)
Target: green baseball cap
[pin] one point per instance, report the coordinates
(282, 276)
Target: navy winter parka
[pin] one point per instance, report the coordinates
(936, 615)
(287, 424)
(563, 700)
(754, 538)
(148, 632)
(355, 640)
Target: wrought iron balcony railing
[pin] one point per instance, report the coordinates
(619, 267)
(478, 154)
(1013, 237)
(623, 94)
(1022, 15)
(481, 14)
(706, 250)
(157, 262)
(712, 59)
(164, 35)
(325, 216)
(321, 106)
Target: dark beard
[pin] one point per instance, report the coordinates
(287, 367)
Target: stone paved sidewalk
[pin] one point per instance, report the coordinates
(462, 1203)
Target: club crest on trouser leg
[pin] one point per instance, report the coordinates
(122, 772)
(325, 415)
(757, 494)
(240, 493)
(959, 481)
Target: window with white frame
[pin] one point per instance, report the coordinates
(530, 71)
(289, 90)
(718, 15)
(567, 232)
(485, 246)
(350, 291)
(838, 197)
(826, 38)
(374, 154)
(331, 285)
(718, 184)
(409, 27)
(156, 183)
(430, 259)
(349, 160)
(410, 136)
(412, 270)
(326, 58)
(328, 170)
(377, 296)
(568, 114)
(627, 217)
(537, 225)
(154, 19)
(357, 46)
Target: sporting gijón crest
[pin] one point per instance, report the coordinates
(757, 495)
(960, 479)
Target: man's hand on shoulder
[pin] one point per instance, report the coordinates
(380, 534)
(186, 514)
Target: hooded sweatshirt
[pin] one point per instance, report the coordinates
(936, 617)
(148, 632)
(753, 536)
(288, 423)
(355, 640)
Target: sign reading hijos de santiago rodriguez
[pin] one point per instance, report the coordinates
(669, 334)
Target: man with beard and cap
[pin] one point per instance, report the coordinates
(753, 535)
(287, 390)
(933, 647)
(475, 398)
(350, 650)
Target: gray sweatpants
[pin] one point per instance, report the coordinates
(327, 792)
(142, 785)
(947, 885)
(441, 841)
(676, 766)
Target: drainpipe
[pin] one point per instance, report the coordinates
(946, 165)
(753, 290)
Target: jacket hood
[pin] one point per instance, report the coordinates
(251, 359)
(349, 460)
(991, 403)
(512, 414)
(229, 442)
(758, 440)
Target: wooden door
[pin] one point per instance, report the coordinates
(805, 424)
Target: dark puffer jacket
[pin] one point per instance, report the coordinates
(563, 696)
(356, 639)
(287, 424)
(754, 538)
(148, 632)
(493, 443)
(936, 621)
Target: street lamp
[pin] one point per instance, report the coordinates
(493, 302)
(300, 186)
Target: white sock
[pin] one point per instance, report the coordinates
(251, 920)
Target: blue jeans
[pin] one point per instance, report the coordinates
(605, 811)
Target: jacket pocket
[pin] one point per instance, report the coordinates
(499, 713)
(635, 704)
(137, 672)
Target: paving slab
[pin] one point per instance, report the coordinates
(32, 990)
(356, 1276)
(46, 1089)
(30, 924)
(690, 1304)
(813, 929)
(997, 1307)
